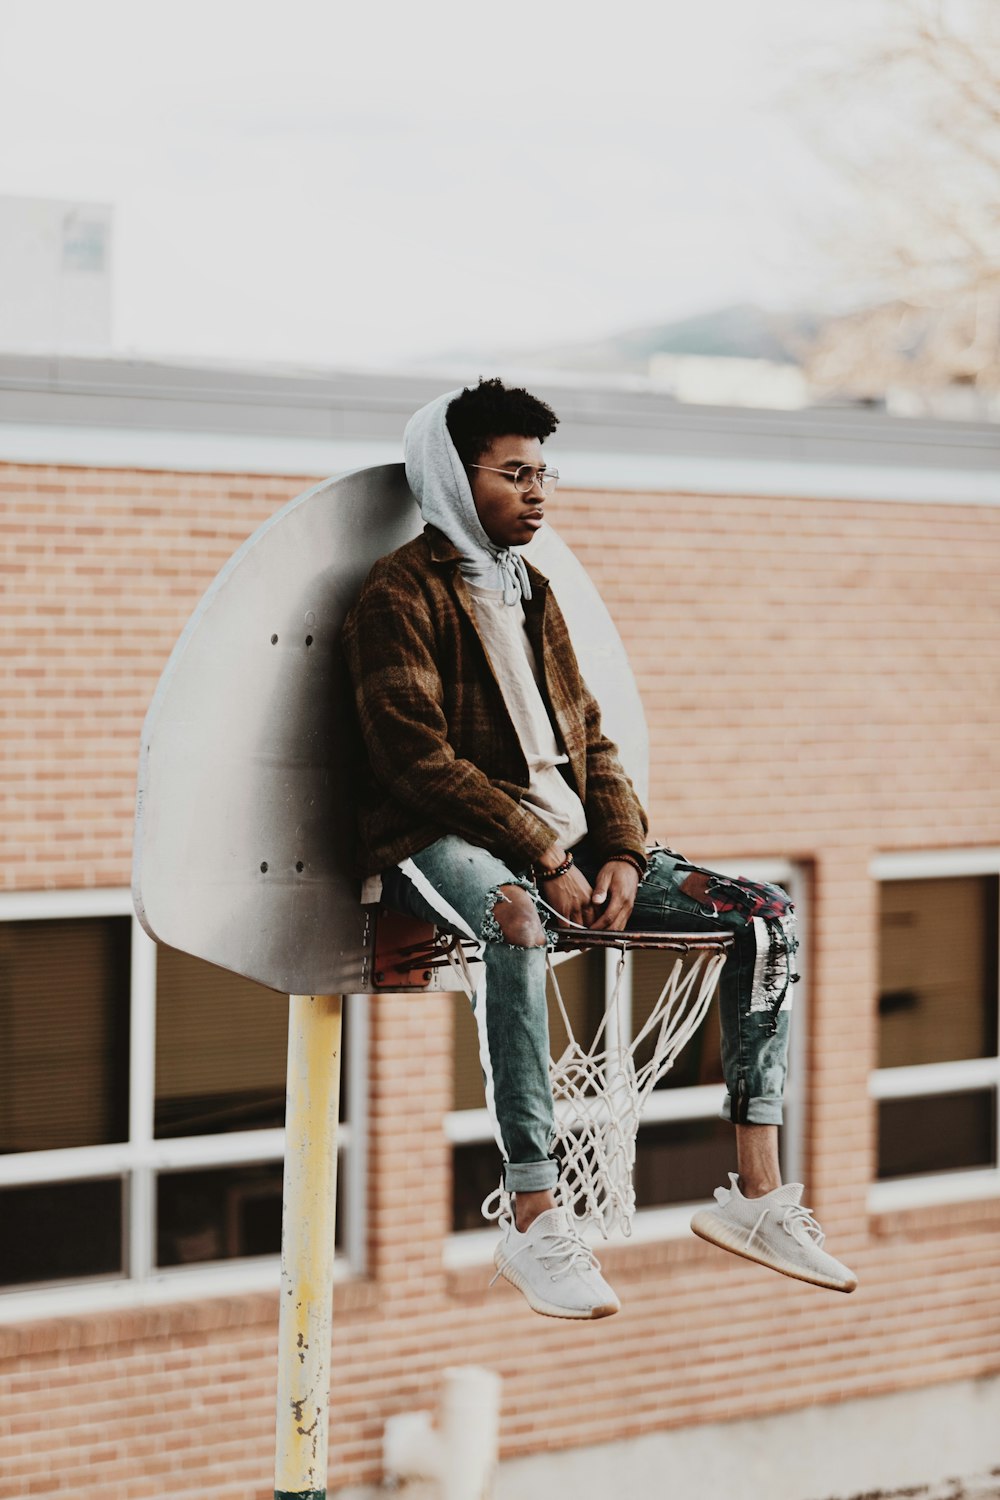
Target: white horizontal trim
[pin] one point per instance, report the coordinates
(181, 451)
(83, 1162)
(27, 906)
(748, 476)
(80, 1163)
(701, 1103)
(219, 1150)
(463, 1127)
(72, 1165)
(189, 452)
(474, 1247)
(470, 1247)
(923, 864)
(934, 1078)
(186, 1284)
(943, 1187)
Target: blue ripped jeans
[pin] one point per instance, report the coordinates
(456, 886)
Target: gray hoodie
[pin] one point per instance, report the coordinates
(437, 477)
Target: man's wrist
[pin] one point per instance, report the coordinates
(625, 857)
(553, 857)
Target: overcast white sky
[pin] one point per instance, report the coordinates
(292, 181)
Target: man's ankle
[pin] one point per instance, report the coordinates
(528, 1206)
(757, 1159)
(757, 1187)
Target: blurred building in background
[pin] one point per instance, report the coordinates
(55, 276)
(808, 601)
(908, 360)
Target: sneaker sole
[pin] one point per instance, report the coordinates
(551, 1309)
(708, 1227)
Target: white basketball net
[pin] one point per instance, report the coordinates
(600, 1093)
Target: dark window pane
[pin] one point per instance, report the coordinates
(681, 1161)
(700, 1062)
(684, 1161)
(221, 1050)
(475, 1175)
(937, 1133)
(467, 1076)
(938, 970)
(64, 1033)
(57, 1231)
(221, 1045)
(222, 1213)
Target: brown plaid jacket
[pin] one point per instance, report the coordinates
(443, 755)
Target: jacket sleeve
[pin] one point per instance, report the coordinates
(616, 818)
(388, 640)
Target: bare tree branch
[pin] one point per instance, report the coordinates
(921, 175)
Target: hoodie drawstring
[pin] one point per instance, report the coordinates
(513, 576)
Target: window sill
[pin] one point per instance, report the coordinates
(211, 1297)
(953, 1199)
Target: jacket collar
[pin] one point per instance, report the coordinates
(442, 550)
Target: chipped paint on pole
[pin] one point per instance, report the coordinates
(309, 1214)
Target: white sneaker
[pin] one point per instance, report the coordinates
(775, 1231)
(554, 1269)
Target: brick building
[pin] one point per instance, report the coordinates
(810, 604)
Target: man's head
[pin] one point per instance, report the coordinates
(497, 429)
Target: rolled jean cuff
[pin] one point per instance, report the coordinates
(763, 1110)
(530, 1176)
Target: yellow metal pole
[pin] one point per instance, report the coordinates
(309, 1216)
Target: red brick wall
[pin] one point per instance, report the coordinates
(819, 678)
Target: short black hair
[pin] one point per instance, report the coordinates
(491, 410)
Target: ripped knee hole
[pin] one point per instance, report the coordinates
(512, 920)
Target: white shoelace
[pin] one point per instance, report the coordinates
(564, 1253)
(800, 1224)
(796, 1220)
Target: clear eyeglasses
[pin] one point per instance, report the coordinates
(525, 477)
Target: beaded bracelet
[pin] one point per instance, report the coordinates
(541, 874)
(628, 859)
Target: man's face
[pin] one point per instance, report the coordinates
(509, 518)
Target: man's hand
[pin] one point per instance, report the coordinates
(570, 896)
(614, 894)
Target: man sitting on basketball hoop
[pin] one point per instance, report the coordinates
(494, 797)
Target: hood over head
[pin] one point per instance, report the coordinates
(437, 477)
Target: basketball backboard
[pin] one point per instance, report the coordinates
(245, 806)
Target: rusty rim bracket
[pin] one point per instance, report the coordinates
(404, 952)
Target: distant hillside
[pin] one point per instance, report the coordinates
(744, 330)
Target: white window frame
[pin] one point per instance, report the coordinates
(137, 1160)
(963, 1184)
(475, 1246)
